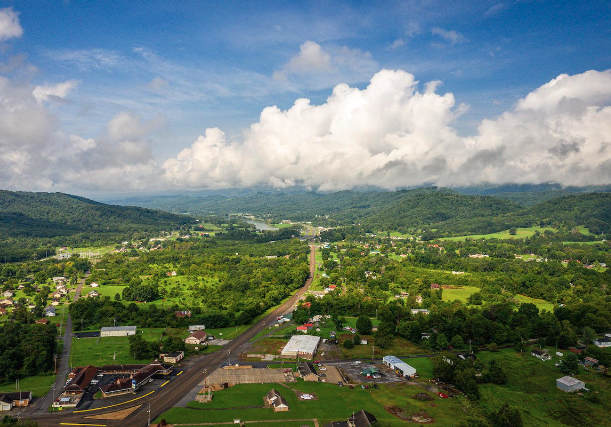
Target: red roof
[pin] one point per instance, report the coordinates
(302, 328)
(310, 325)
(435, 286)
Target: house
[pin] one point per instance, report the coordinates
(93, 293)
(415, 311)
(94, 285)
(59, 279)
(174, 357)
(194, 328)
(3, 312)
(569, 384)
(79, 379)
(55, 302)
(400, 367)
(435, 286)
(307, 372)
(19, 398)
(577, 349)
(540, 354)
(42, 322)
(602, 342)
(302, 328)
(276, 401)
(419, 299)
(358, 419)
(50, 311)
(8, 293)
(182, 313)
(588, 361)
(6, 302)
(197, 337)
(117, 331)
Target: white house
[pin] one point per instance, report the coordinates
(602, 342)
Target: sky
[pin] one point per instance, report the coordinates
(145, 96)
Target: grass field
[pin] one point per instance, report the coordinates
(38, 385)
(520, 234)
(541, 304)
(531, 387)
(332, 403)
(460, 294)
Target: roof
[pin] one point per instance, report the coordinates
(363, 419)
(569, 381)
(602, 340)
(399, 364)
(17, 395)
(118, 328)
(301, 344)
(183, 313)
(82, 379)
(275, 398)
(307, 368)
(200, 335)
(539, 352)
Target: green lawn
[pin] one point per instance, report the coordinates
(461, 294)
(332, 403)
(540, 303)
(105, 290)
(38, 385)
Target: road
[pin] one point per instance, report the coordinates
(165, 398)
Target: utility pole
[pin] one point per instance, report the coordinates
(55, 359)
(373, 348)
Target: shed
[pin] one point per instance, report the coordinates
(569, 384)
(117, 331)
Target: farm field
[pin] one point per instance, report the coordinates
(521, 233)
(332, 403)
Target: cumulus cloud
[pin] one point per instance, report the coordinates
(451, 36)
(9, 24)
(392, 134)
(57, 91)
(316, 67)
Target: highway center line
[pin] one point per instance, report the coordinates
(164, 383)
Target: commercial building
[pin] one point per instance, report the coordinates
(301, 346)
(118, 331)
(19, 398)
(400, 367)
(569, 384)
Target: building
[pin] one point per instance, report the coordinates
(197, 338)
(540, 353)
(50, 311)
(301, 346)
(182, 313)
(194, 328)
(19, 398)
(569, 384)
(435, 286)
(302, 328)
(79, 380)
(117, 331)
(138, 377)
(589, 361)
(276, 401)
(358, 419)
(307, 372)
(602, 342)
(415, 311)
(400, 367)
(174, 357)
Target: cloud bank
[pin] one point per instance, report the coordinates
(9, 24)
(393, 133)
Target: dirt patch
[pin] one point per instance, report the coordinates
(420, 417)
(118, 415)
(422, 397)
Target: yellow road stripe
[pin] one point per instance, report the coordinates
(179, 373)
(116, 404)
(165, 383)
(75, 424)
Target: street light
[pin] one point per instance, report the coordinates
(149, 418)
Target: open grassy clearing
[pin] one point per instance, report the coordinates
(521, 233)
(332, 403)
(463, 293)
(105, 291)
(531, 387)
(38, 385)
(540, 303)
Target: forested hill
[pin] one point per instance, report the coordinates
(25, 214)
(434, 209)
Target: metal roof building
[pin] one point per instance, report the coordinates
(117, 331)
(302, 346)
(399, 366)
(569, 384)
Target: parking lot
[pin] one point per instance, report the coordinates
(353, 372)
(249, 375)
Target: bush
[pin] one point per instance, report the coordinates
(348, 344)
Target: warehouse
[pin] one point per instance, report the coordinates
(569, 384)
(400, 367)
(302, 346)
(118, 331)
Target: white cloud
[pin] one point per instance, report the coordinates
(157, 85)
(87, 59)
(392, 135)
(451, 36)
(317, 68)
(129, 126)
(59, 90)
(9, 24)
(397, 44)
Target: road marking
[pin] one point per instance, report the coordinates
(165, 383)
(179, 373)
(116, 404)
(75, 424)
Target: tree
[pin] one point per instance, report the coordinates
(513, 231)
(457, 341)
(356, 339)
(364, 325)
(570, 364)
(339, 323)
(138, 347)
(465, 381)
(348, 344)
(441, 342)
(506, 417)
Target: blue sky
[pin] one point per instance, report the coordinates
(147, 78)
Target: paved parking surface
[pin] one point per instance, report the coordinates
(249, 376)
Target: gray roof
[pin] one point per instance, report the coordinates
(118, 328)
(569, 381)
